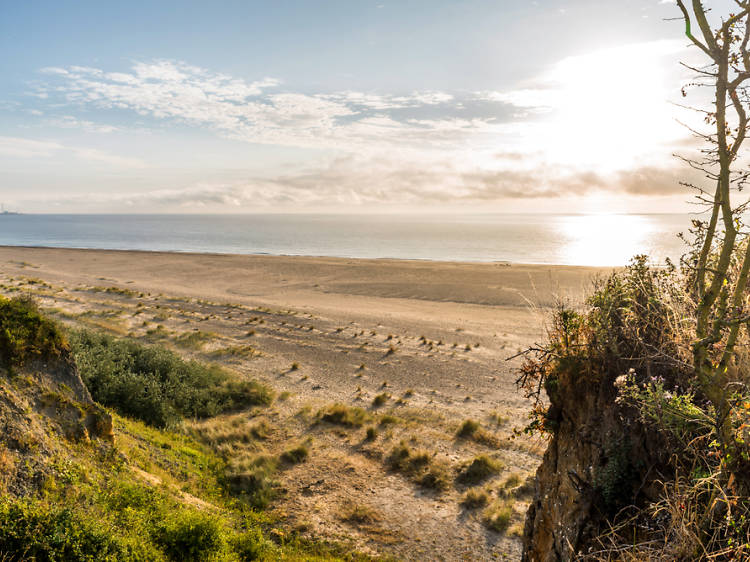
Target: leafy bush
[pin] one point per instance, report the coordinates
(191, 535)
(154, 384)
(634, 320)
(632, 344)
(250, 545)
(25, 333)
(32, 531)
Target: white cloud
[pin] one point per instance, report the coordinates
(27, 148)
(16, 147)
(251, 111)
(594, 122)
(71, 122)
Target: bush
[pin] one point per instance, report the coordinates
(481, 468)
(190, 535)
(32, 531)
(631, 347)
(250, 545)
(154, 384)
(26, 334)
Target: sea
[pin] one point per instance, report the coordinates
(593, 239)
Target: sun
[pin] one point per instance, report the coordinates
(611, 108)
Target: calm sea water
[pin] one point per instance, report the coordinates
(540, 239)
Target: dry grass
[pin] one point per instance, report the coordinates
(475, 498)
(348, 416)
(498, 515)
(479, 469)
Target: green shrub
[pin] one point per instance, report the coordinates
(190, 535)
(30, 530)
(250, 545)
(154, 384)
(26, 334)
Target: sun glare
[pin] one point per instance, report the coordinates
(612, 108)
(603, 240)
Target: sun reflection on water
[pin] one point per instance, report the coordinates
(604, 240)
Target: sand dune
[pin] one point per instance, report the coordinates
(435, 334)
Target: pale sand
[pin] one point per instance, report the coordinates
(334, 307)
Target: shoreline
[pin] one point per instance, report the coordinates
(503, 263)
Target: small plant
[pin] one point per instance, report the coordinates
(188, 535)
(371, 434)
(498, 516)
(380, 399)
(294, 366)
(475, 498)
(480, 469)
(255, 481)
(437, 477)
(360, 515)
(471, 429)
(468, 428)
(388, 419)
(295, 455)
(339, 414)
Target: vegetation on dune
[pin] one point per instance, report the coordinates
(632, 347)
(152, 495)
(340, 414)
(479, 469)
(156, 385)
(25, 334)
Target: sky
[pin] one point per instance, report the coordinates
(351, 106)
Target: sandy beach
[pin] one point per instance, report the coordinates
(435, 335)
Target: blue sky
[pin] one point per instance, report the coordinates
(350, 106)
